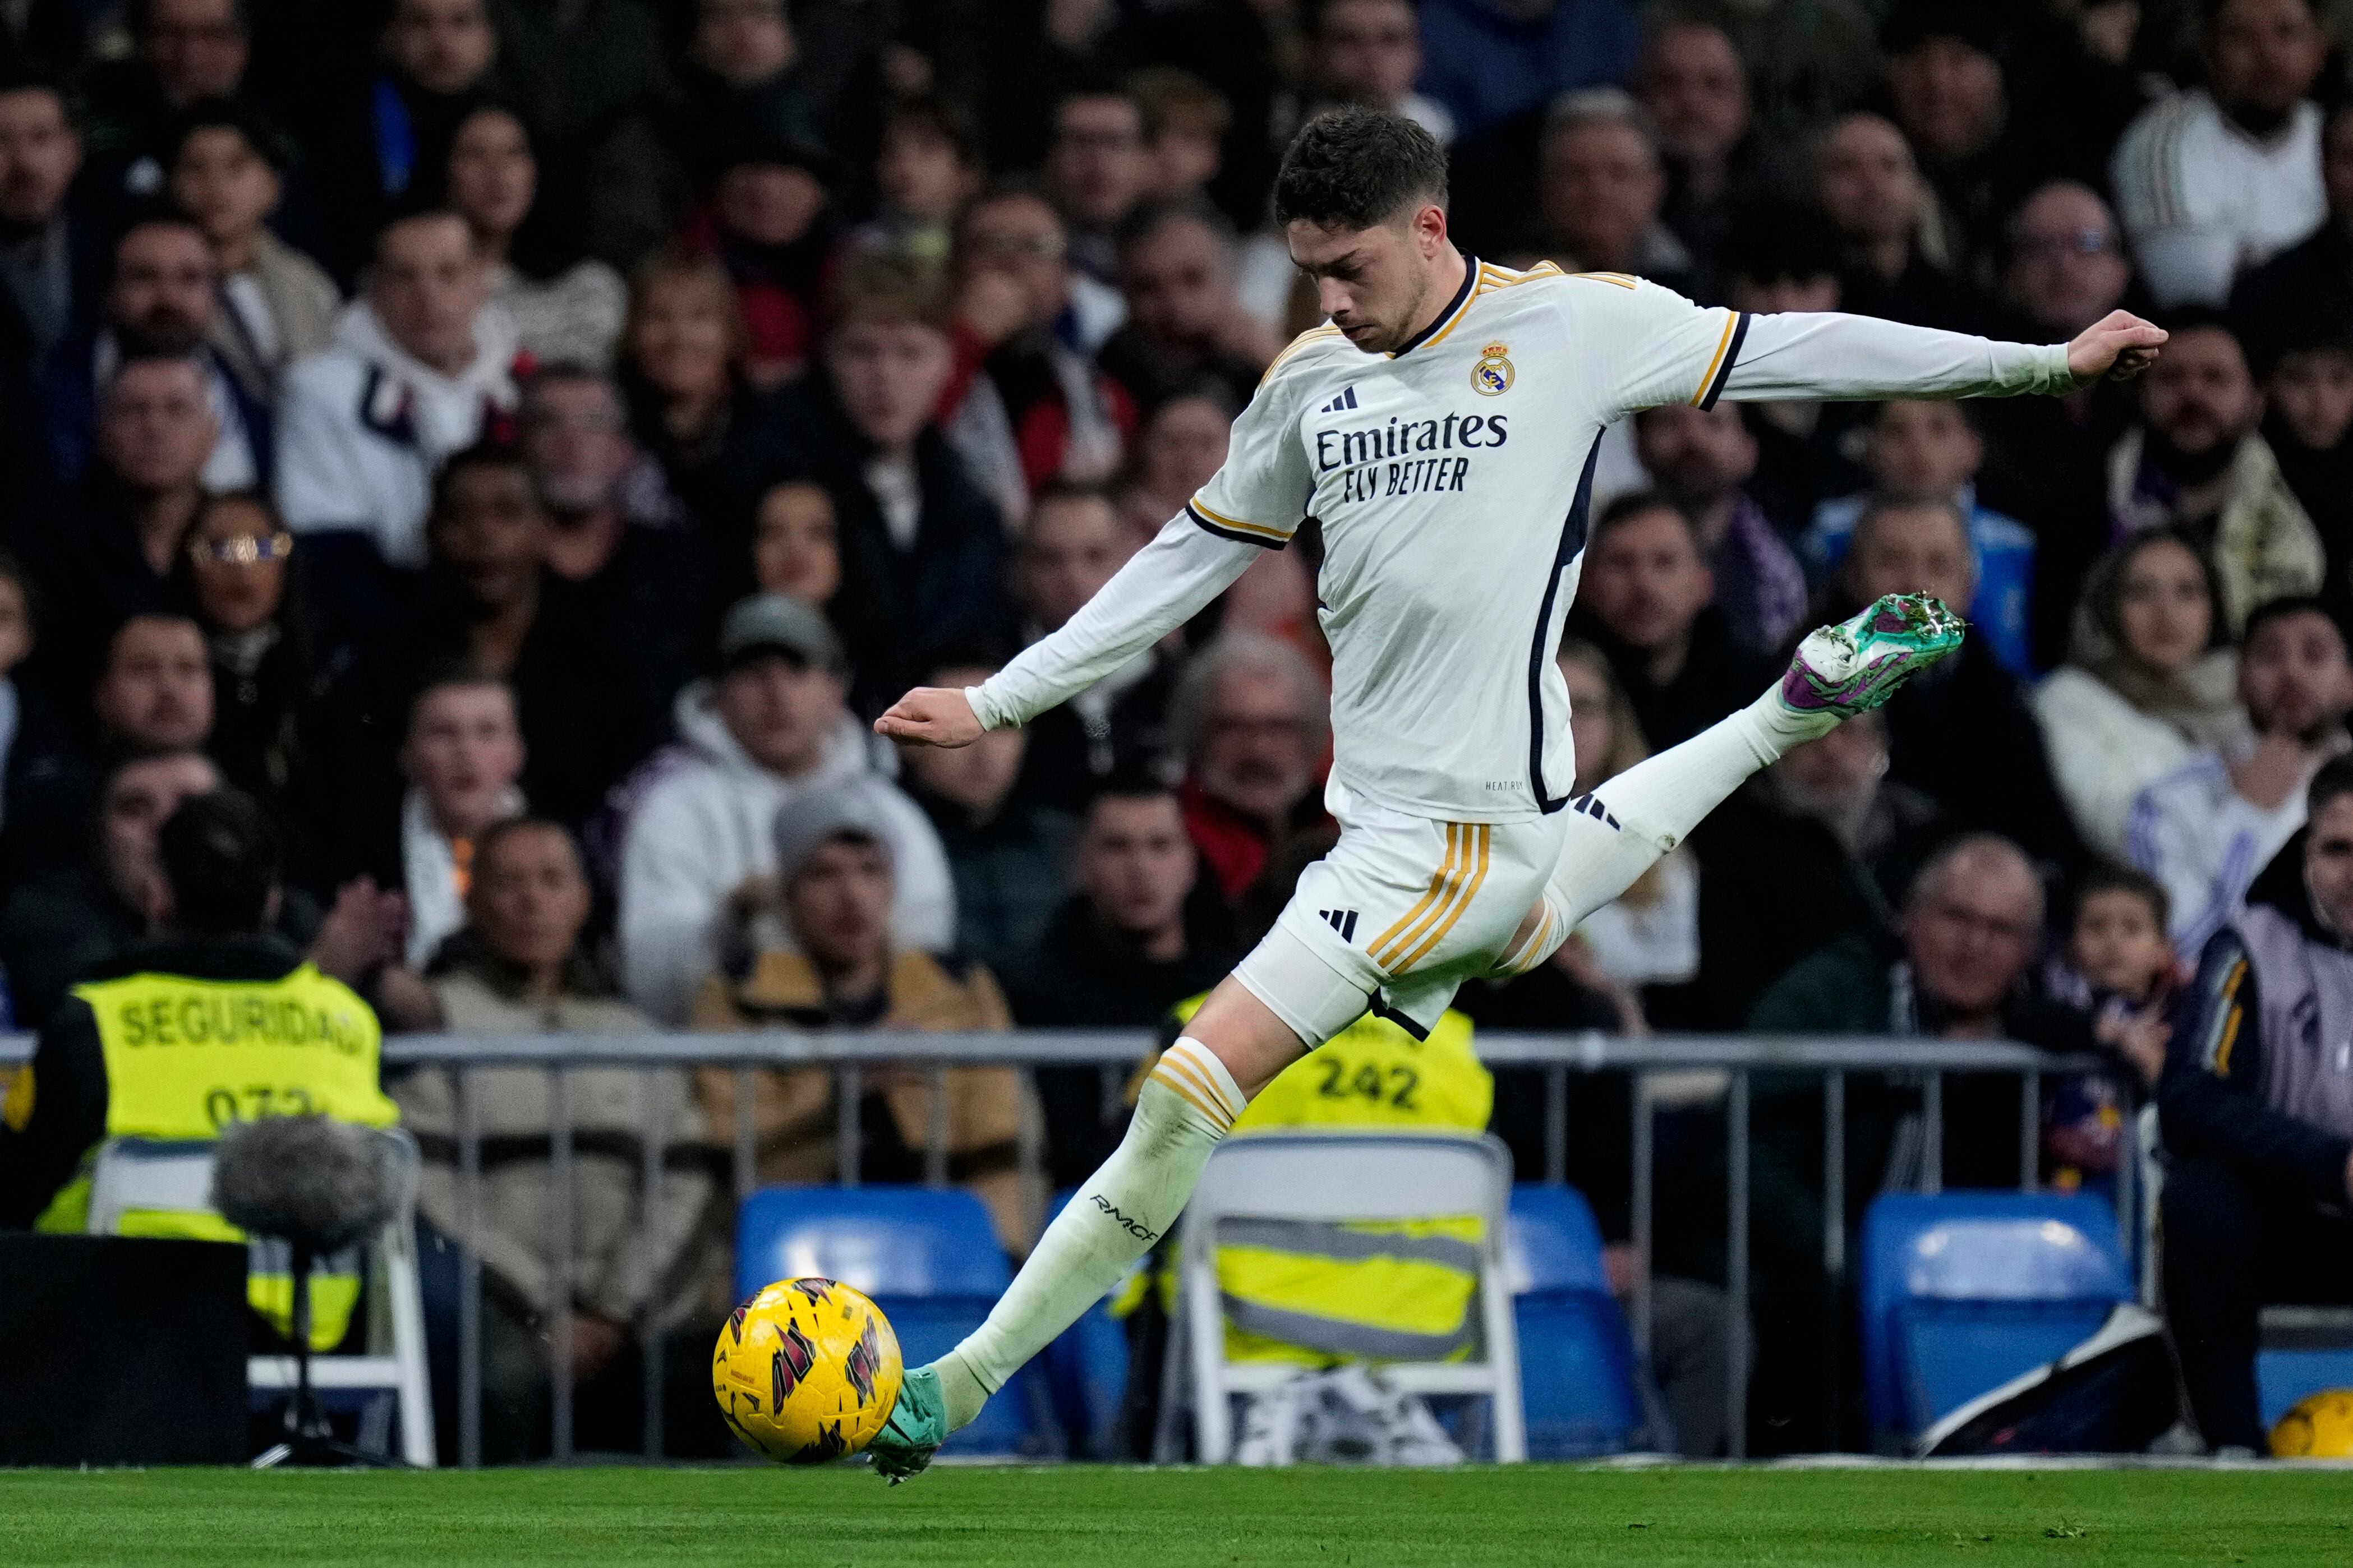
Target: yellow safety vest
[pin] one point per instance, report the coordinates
(187, 1057)
(1318, 1294)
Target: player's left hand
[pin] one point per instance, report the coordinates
(2118, 346)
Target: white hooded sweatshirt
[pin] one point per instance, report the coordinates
(702, 818)
(363, 426)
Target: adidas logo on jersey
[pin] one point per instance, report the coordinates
(1342, 921)
(1344, 401)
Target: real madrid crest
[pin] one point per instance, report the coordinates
(1492, 376)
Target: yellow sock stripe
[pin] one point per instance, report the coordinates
(1397, 960)
(1470, 891)
(1174, 1085)
(1731, 320)
(1437, 882)
(1181, 1062)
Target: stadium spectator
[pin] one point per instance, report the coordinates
(2196, 464)
(392, 137)
(743, 70)
(1117, 727)
(1782, 256)
(1030, 406)
(927, 166)
(1700, 458)
(1963, 734)
(109, 550)
(1185, 123)
(51, 262)
(2256, 1106)
(2118, 972)
(565, 307)
(461, 758)
(1646, 600)
(2221, 176)
(58, 925)
(841, 969)
(1488, 61)
(520, 967)
(227, 170)
(34, 748)
(2320, 266)
(2205, 829)
(1920, 452)
(614, 528)
(699, 849)
(1693, 85)
(1368, 52)
(421, 367)
(771, 224)
(236, 573)
(2063, 267)
(159, 300)
(1254, 724)
(1884, 213)
(1960, 970)
(916, 533)
(1947, 77)
(1097, 172)
(1139, 934)
(2307, 382)
(1005, 849)
(1600, 184)
(1185, 325)
(692, 407)
(2145, 687)
(1179, 447)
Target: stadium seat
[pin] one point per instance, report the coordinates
(1577, 1360)
(928, 1256)
(1086, 1370)
(2306, 1350)
(1962, 1292)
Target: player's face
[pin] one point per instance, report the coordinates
(1375, 284)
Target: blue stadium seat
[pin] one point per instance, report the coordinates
(1086, 1370)
(928, 1256)
(1962, 1292)
(1577, 1357)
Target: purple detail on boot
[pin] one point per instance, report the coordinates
(1895, 618)
(1800, 693)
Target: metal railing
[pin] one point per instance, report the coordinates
(1115, 1053)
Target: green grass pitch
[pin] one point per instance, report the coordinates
(1034, 1518)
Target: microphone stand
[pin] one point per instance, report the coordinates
(310, 1440)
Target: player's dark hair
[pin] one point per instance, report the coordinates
(1634, 504)
(2285, 606)
(1354, 168)
(2107, 876)
(219, 857)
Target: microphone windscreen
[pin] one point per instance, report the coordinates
(309, 1180)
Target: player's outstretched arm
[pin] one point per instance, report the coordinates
(1829, 355)
(1163, 585)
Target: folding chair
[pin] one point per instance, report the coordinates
(140, 1174)
(1338, 1178)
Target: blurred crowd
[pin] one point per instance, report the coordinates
(526, 442)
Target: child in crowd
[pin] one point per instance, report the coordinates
(2118, 969)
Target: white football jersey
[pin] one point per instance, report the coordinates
(1451, 481)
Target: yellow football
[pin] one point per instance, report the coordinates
(2319, 1427)
(806, 1371)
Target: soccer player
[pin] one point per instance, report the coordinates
(1440, 429)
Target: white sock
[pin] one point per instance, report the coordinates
(1189, 1103)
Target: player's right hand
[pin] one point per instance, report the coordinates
(931, 716)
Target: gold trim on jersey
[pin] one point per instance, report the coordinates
(1715, 361)
(1292, 347)
(1237, 524)
(1622, 280)
(1491, 277)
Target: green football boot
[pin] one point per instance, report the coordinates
(1855, 665)
(917, 1426)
